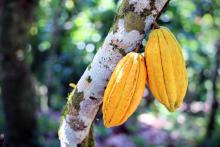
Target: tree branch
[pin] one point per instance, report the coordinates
(133, 20)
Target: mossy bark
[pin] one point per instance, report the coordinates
(89, 140)
(16, 82)
(133, 20)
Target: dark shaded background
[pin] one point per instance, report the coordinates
(47, 44)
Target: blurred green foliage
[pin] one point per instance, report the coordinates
(64, 39)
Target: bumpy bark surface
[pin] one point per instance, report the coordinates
(133, 20)
(16, 83)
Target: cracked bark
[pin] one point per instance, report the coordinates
(133, 20)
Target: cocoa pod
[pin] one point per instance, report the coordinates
(124, 90)
(166, 69)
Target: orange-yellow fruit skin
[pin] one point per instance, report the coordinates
(166, 69)
(124, 90)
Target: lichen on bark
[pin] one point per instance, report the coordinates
(115, 46)
(76, 124)
(89, 140)
(73, 104)
(121, 12)
(123, 8)
(114, 27)
(75, 98)
(133, 21)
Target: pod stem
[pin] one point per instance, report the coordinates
(137, 48)
(155, 25)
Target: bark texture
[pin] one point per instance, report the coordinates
(134, 18)
(16, 81)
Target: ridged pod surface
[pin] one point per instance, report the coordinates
(166, 69)
(124, 90)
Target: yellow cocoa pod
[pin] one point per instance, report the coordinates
(166, 69)
(124, 90)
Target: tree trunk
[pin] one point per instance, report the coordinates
(56, 45)
(133, 20)
(16, 81)
(214, 106)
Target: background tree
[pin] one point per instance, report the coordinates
(214, 106)
(16, 82)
